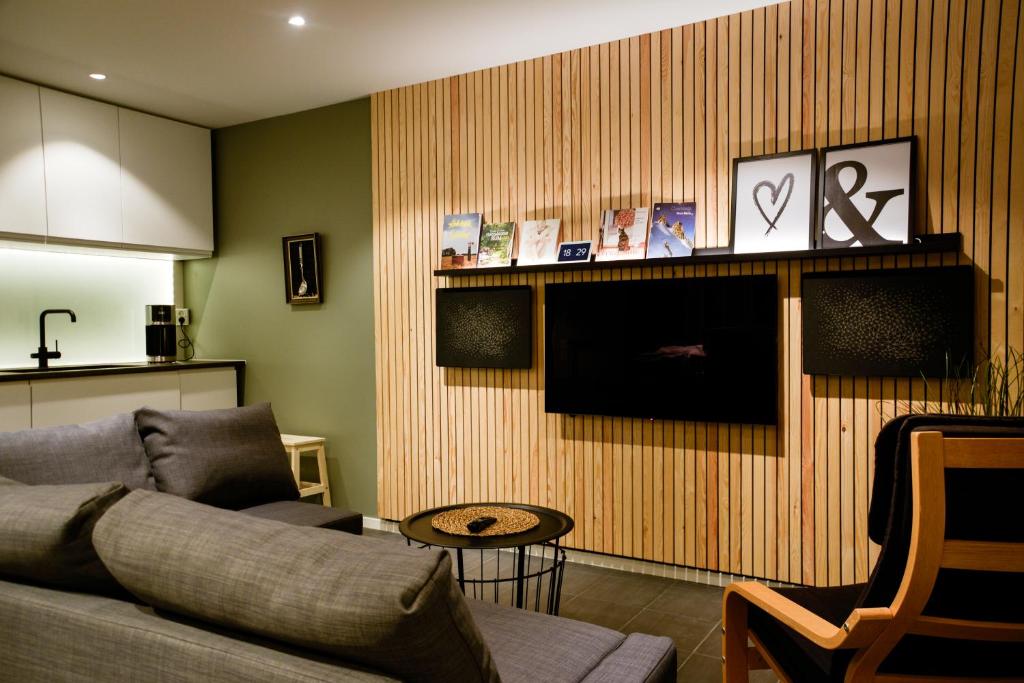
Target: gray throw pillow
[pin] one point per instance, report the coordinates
(231, 458)
(101, 451)
(46, 533)
(367, 601)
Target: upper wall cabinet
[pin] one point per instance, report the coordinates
(165, 183)
(78, 171)
(22, 193)
(83, 168)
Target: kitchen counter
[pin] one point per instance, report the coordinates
(60, 372)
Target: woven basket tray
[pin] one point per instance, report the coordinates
(510, 520)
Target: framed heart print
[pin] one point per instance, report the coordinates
(773, 201)
(867, 194)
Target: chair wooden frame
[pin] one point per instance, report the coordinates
(873, 632)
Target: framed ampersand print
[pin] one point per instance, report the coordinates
(773, 202)
(867, 194)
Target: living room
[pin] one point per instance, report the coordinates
(674, 329)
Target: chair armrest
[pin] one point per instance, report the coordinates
(863, 627)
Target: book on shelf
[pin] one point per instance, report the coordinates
(460, 240)
(538, 242)
(672, 230)
(623, 234)
(496, 244)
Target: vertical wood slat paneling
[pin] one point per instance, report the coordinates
(655, 118)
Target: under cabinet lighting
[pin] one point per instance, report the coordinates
(297, 20)
(98, 77)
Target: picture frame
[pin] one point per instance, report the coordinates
(867, 193)
(303, 279)
(774, 200)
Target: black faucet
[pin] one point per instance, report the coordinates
(43, 354)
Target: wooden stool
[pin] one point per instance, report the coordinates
(295, 446)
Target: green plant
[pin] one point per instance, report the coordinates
(993, 387)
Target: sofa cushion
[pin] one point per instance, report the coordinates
(385, 606)
(300, 513)
(231, 458)
(46, 533)
(101, 451)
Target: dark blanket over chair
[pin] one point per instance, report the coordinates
(980, 505)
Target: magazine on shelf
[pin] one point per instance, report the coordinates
(496, 244)
(672, 230)
(623, 234)
(460, 238)
(538, 242)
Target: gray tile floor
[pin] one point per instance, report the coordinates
(689, 613)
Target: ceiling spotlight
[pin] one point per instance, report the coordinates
(98, 77)
(297, 20)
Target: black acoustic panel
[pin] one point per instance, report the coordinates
(891, 323)
(484, 327)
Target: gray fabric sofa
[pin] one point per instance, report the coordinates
(229, 458)
(215, 595)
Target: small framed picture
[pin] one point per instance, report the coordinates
(574, 251)
(303, 283)
(773, 201)
(867, 194)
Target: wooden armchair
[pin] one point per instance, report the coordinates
(946, 599)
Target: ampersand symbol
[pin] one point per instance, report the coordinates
(838, 199)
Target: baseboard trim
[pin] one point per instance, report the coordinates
(625, 564)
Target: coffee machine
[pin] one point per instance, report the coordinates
(161, 341)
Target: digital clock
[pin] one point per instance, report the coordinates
(574, 251)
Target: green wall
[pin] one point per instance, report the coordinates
(305, 172)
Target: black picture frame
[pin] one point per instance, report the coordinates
(812, 209)
(303, 276)
(821, 240)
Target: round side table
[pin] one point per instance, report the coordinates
(545, 536)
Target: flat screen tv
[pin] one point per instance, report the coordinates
(484, 327)
(679, 349)
(904, 322)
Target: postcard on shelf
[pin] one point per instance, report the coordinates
(574, 251)
(538, 242)
(496, 244)
(623, 234)
(460, 235)
(672, 230)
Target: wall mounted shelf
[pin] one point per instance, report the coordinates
(924, 244)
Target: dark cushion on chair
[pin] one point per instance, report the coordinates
(801, 659)
(307, 514)
(231, 458)
(101, 451)
(46, 533)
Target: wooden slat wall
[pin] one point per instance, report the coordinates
(659, 117)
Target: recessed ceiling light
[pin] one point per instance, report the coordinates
(297, 20)
(98, 77)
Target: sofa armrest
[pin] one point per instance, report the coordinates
(640, 658)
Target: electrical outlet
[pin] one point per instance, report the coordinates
(183, 316)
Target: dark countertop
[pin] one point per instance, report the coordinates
(61, 372)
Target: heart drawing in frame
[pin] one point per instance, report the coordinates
(784, 189)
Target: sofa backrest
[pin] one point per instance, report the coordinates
(101, 451)
(372, 602)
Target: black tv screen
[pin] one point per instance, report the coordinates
(484, 327)
(893, 323)
(692, 348)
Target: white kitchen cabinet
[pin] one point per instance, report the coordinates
(22, 190)
(83, 168)
(165, 183)
(208, 389)
(15, 406)
(74, 400)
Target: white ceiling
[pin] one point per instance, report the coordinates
(222, 62)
